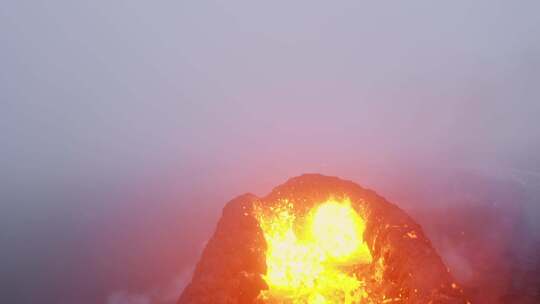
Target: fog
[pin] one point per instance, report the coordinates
(126, 126)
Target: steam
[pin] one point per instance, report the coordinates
(457, 261)
(217, 98)
(122, 297)
(167, 294)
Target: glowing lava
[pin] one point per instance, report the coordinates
(319, 239)
(312, 259)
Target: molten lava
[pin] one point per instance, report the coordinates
(319, 239)
(309, 264)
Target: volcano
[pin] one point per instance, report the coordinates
(319, 239)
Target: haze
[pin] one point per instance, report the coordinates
(125, 126)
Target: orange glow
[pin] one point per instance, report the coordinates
(309, 259)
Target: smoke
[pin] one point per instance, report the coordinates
(172, 293)
(166, 294)
(126, 126)
(479, 223)
(127, 298)
(457, 261)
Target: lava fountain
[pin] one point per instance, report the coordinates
(309, 264)
(319, 239)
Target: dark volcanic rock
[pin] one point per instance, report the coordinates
(408, 268)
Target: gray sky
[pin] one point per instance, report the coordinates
(180, 105)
